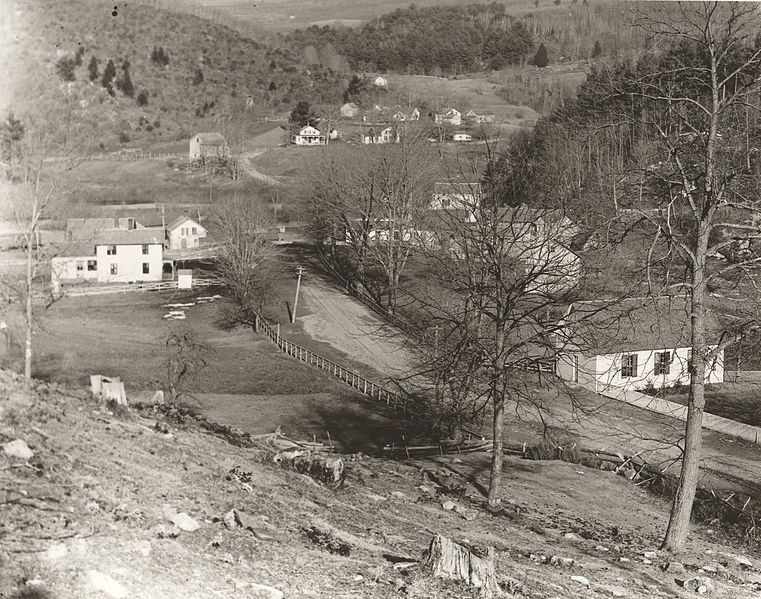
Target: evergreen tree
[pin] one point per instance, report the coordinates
(92, 69)
(78, 56)
(540, 58)
(65, 68)
(302, 115)
(125, 82)
(598, 49)
(11, 131)
(109, 73)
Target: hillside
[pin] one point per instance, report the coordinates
(88, 516)
(185, 73)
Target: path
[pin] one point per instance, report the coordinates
(336, 318)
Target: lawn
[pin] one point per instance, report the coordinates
(737, 401)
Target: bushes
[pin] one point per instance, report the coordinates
(65, 68)
(142, 98)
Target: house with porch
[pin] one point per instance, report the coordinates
(309, 136)
(450, 116)
(633, 344)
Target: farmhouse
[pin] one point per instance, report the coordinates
(462, 136)
(205, 146)
(85, 229)
(400, 116)
(633, 344)
(114, 255)
(349, 110)
(450, 116)
(385, 136)
(451, 195)
(309, 136)
(184, 233)
(477, 118)
(542, 223)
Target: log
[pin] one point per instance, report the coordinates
(447, 559)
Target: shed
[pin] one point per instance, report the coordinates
(184, 278)
(208, 145)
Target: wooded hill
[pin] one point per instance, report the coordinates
(138, 72)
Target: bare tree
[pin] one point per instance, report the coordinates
(245, 233)
(689, 103)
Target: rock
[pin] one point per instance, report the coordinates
(185, 522)
(623, 559)
(646, 561)
(565, 562)
(650, 555)
(158, 397)
(580, 580)
(449, 505)
(230, 520)
(398, 495)
(264, 591)
(744, 562)
(602, 548)
(144, 548)
(427, 490)
(699, 584)
(168, 511)
(674, 568)
(375, 497)
(456, 461)
(105, 584)
(571, 536)
(18, 449)
(714, 568)
(615, 591)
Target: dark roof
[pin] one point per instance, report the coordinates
(124, 237)
(181, 218)
(211, 138)
(637, 324)
(73, 250)
(447, 187)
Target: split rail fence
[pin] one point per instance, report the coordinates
(351, 378)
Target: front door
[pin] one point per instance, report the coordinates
(184, 243)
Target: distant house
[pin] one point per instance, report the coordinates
(633, 344)
(205, 146)
(113, 255)
(400, 116)
(539, 222)
(309, 136)
(184, 233)
(380, 81)
(452, 195)
(85, 229)
(477, 118)
(462, 136)
(349, 110)
(450, 116)
(385, 136)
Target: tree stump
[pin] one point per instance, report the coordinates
(327, 469)
(448, 559)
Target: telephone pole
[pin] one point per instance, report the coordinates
(300, 271)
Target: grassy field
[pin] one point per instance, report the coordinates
(736, 401)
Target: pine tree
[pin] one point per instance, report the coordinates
(65, 68)
(92, 68)
(125, 83)
(598, 49)
(78, 56)
(540, 58)
(109, 73)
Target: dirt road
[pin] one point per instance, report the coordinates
(345, 324)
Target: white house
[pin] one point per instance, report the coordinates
(380, 81)
(402, 117)
(633, 344)
(462, 136)
(115, 255)
(541, 222)
(184, 233)
(450, 116)
(451, 195)
(309, 136)
(385, 136)
(208, 146)
(349, 110)
(475, 117)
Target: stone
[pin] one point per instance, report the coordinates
(580, 580)
(375, 497)
(650, 555)
(699, 584)
(230, 520)
(185, 522)
(264, 591)
(674, 568)
(168, 511)
(744, 562)
(18, 449)
(571, 536)
(602, 548)
(615, 591)
(623, 559)
(565, 562)
(398, 495)
(427, 490)
(144, 548)
(105, 584)
(158, 397)
(449, 505)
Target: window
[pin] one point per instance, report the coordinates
(80, 265)
(146, 268)
(628, 365)
(111, 250)
(92, 265)
(114, 269)
(662, 363)
(145, 249)
(195, 230)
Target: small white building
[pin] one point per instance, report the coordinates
(309, 136)
(450, 116)
(477, 118)
(184, 233)
(634, 344)
(380, 81)
(209, 145)
(453, 195)
(401, 116)
(462, 136)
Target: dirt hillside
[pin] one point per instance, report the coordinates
(96, 512)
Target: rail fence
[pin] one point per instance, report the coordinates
(351, 378)
(128, 287)
(136, 156)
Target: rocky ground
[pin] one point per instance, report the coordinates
(100, 501)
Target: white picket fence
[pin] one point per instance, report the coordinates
(132, 287)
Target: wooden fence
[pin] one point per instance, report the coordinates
(136, 156)
(351, 378)
(129, 287)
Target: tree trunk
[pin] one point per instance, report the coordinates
(679, 520)
(495, 480)
(29, 315)
(447, 559)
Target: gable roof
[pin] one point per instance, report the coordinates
(74, 250)
(181, 219)
(636, 324)
(456, 188)
(211, 138)
(309, 130)
(125, 237)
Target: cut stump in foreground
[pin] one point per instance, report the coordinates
(448, 559)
